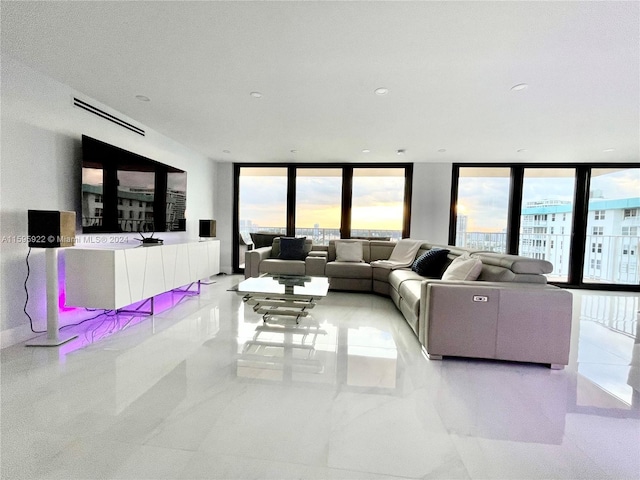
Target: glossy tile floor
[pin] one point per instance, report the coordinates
(205, 390)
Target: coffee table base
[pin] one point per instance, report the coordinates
(282, 295)
(268, 306)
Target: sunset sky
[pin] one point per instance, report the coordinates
(484, 200)
(377, 201)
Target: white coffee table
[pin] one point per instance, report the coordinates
(282, 295)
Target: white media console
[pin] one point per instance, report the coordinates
(113, 278)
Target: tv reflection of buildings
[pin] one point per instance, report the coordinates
(135, 208)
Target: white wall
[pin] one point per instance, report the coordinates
(431, 201)
(224, 219)
(40, 169)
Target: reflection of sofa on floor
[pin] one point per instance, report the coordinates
(458, 302)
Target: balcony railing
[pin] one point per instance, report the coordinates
(321, 236)
(608, 258)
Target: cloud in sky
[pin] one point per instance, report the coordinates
(376, 201)
(484, 200)
(621, 184)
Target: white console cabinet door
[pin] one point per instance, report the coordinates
(114, 278)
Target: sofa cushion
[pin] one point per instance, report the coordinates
(432, 263)
(516, 263)
(349, 252)
(348, 270)
(397, 277)
(275, 247)
(283, 267)
(292, 248)
(410, 291)
(463, 268)
(380, 250)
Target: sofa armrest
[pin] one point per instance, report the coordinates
(315, 264)
(507, 321)
(252, 259)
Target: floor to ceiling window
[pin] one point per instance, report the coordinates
(583, 218)
(318, 203)
(482, 208)
(323, 202)
(547, 216)
(262, 195)
(613, 227)
(377, 203)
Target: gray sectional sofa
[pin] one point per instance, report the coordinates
(508, 312)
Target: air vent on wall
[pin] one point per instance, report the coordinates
(107, 116)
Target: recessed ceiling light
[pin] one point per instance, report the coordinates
(400, 151)
(366, 150)
(381, 91)
(256, 94)
(294, 151)
(143, 98)
(442, 150)
(520, 86)
(609, 150)
(226, 151)
(522, 150)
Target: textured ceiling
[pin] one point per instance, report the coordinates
(449, 67)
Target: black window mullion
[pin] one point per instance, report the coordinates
(515, 210)
(453, 209)
(579, 228)
(347, 184)
(235, 235)
(291, 201)
(406, 220)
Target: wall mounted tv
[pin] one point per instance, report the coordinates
(126, 192)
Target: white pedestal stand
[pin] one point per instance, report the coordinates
(53, 338)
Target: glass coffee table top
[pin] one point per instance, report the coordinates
(295, 285)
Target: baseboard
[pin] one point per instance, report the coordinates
(15, 335)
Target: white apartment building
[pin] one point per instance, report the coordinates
(135, 208)
(612, 242)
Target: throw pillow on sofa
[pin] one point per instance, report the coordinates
(349, 252)
(432, 263)
(463, 268)
(292, 248)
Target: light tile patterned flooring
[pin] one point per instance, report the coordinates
(204, 390)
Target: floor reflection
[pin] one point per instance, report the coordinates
(285, 352)
(316, 352)
(608, 352)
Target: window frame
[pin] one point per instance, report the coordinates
(578, 247)
(347, 184)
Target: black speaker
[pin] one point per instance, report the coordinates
(207, 228)
(51, 228)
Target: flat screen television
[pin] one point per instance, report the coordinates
(126, 192)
